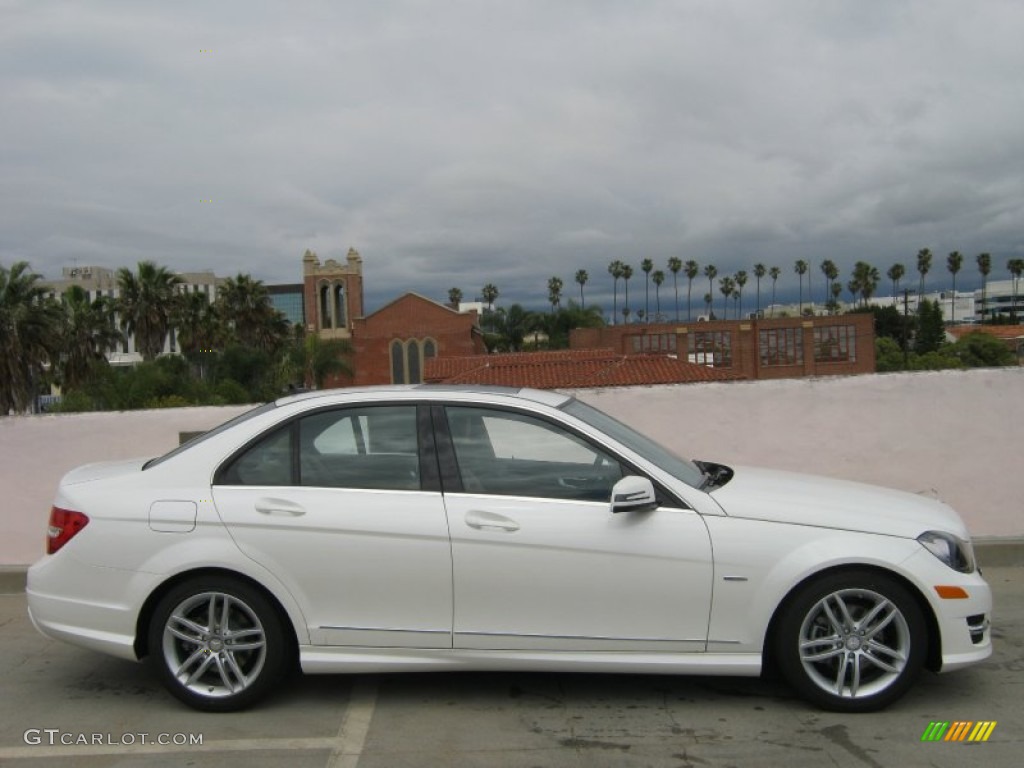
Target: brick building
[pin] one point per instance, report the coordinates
(394, 344)
(570, 369)
(333, 294)
(776, 348)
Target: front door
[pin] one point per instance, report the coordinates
(541, 563)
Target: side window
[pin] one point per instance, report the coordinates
(267, 462)
(373, 448)
(512, 454)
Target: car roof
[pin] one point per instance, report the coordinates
(432, 392)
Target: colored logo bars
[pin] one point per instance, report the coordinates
(958, 730)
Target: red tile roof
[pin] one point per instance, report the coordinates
(570, 369)
(1004, 332)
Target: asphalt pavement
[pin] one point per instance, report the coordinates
(64, 706)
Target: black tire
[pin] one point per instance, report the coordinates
(232, 666)
(851, 641)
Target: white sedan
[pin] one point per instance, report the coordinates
(425, 528)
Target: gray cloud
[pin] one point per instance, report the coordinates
(458, 143)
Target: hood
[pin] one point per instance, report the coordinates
(788, 497)
(101, 470)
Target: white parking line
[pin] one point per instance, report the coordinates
(354, 725)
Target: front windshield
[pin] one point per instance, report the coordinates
(657, 454)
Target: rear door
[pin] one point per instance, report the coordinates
(344, 507)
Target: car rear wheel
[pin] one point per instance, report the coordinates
(852, 641)
(218, 643)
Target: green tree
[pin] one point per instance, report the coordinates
(867, 278)
(627, 272)
(774, 274)
(29, 338)
(657, 277)
(741, 280)
(555, 292)
(201, 334)
(674, 265)
(760, 270)
(249, 317)
(647, 265)
(691, 270)
(924, 265)
(615, 270)
(511, 325)
(558, 325)
(710, 272)
(146, 304)
(726, 285)
(954, 262)
(831, 272)
(984, 267)
(895, 274)
(931, 332)
(888, 355)
(312, 359)
(581, 278)
(981, 350)
(490, 294)
(800, 267)
(454, 298)
(87, 333)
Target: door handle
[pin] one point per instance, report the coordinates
(268, 506)
(490, 521)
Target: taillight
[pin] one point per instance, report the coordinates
(64, 524)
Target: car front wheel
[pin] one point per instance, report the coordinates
(852, 641)
(217, 643)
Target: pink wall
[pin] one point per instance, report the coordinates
(957, 434)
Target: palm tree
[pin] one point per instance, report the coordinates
(199, 327)
(759, 271)
(1016, 268)
(248, 315)
(691, 270)
(831, 272)
(896, 273)
(866, 278)
(615, 270)
(554, 292)
(853, 286)
(954, 262)
(29, 338)
(146, 302)
(627, 272)
(837, 291)
(726, 285)
(87, 333)
(674, 265)
(741, 280)
(647, 265)
(490, 293)
(454, 298)
(707, 304)
(658, 277)
(773, 273)
(512, 325)
(581, 278)
(710, 272)
(984, 267)
(315, 359)
(924, 265)
(801, 269)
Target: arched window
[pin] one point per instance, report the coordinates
(325, 307)
(429, 349)
(413, 356)
(397, 362)
(339, 306)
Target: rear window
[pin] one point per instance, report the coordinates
(242, 417)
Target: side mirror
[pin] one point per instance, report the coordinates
(634, 494)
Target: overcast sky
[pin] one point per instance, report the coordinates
(460, 143)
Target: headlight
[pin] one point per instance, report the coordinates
(953, 551)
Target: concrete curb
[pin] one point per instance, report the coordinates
(991, 553)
